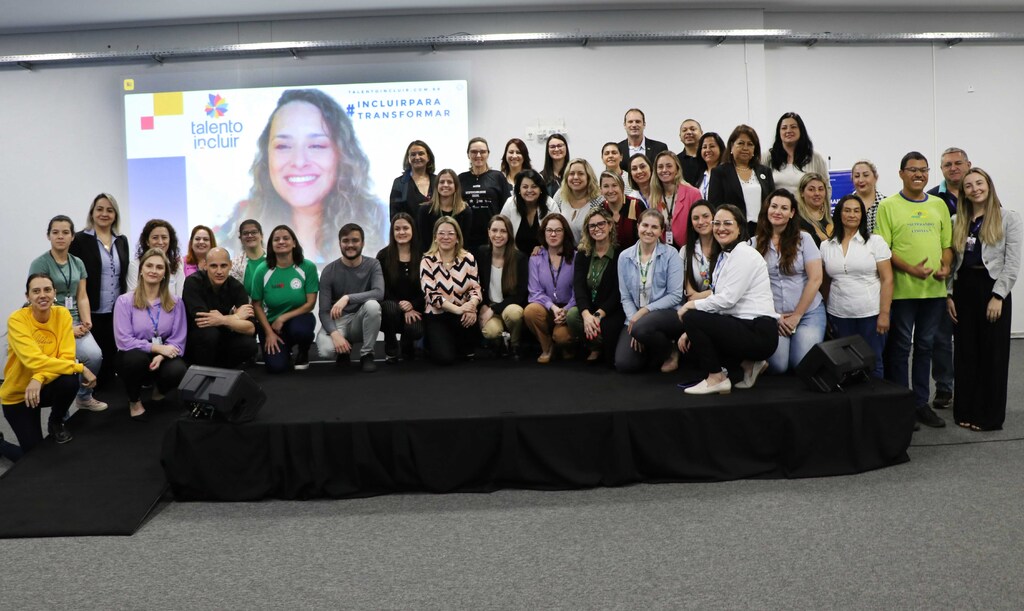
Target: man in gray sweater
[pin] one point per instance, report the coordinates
(351, 288)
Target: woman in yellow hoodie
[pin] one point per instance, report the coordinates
(41, 368)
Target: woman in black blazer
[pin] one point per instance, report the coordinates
(597, 318)
(741, 180)
(501, 314)
(418, 174)
(107, 270)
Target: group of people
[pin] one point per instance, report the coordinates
(720, 255)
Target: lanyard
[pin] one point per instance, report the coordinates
(702, 267)
(643, 268)
(719, 266)
(669, 208)
(67, 278)
(554, 277)
(155, 321)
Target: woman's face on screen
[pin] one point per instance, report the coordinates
(302, 156)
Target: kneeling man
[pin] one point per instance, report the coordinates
(351, 288)
(221, 331)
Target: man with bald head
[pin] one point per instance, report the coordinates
(221, 331)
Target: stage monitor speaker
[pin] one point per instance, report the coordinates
(831, 365)
(221, 394)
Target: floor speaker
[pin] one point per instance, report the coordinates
(831, 365)
(221, 394)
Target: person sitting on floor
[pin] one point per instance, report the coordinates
(402, 308)
(221, 331)
(451, 287)
(41, 368)
(736, 323)
(351, 289)
(504, 281)
(149, 328)
(650, 289)
(551, 290)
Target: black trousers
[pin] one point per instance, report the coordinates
(447, 339)
(219, 347)
(981, 352)
(135, 372)
(24, 420)
(392, 322)
(103, 333)
(719, 340)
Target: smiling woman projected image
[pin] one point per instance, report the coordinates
(311, 174)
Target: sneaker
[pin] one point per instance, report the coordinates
(60, 432)
(367, 364)
(302, 360)
(943, 399)
(927, 417)
(92, 404)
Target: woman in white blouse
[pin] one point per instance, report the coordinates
(579, 193)
(858, 278)
(736, 323)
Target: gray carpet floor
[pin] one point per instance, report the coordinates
(945, 530)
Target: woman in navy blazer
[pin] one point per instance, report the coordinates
(741, 167)
(597, 320)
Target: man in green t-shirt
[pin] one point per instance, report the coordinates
(917, 228)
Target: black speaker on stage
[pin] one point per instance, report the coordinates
(221, 394)
(830, 365)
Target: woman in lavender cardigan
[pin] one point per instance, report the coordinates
(551, 290)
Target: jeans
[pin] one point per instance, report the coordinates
(296, 331)
(363, 325)
(89, 354)
(866, 328)
(913, 323)
(792, 349)
(942, 355)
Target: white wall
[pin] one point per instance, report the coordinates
(63, 138)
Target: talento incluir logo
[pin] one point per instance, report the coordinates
(216, 107)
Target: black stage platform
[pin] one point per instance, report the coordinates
(495, 424)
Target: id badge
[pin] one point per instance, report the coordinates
(69, 302)
(668, 237)
(971, 241)
(157, 341)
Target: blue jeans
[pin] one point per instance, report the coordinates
(866, 328)
(792, 349)
(913, 323)
(296, 331)
(942, 354)
(89, 354)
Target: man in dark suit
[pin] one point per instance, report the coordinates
(689, 158)
(635, 122)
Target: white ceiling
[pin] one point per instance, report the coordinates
(60, 15)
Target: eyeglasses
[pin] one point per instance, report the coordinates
(249, 234)
(554, 230)
(916, 170)
(723, 223)
(556, 147)
(478, 153)
(598, 225)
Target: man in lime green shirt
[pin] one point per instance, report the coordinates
(917, 228)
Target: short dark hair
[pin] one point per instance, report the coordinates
(911, 156)
(643, 117)
(348, 228)
(60, 218)
(744, 130)
(249, 222)
(837, 218)
(430, 156)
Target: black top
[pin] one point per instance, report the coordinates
(406, 196)
(407, 285)
(86, 247)
(946, 196)
(425, 220)
(607, 297)
(528, 235)
(693, 168)
(200, 296)
(653, 147)
(483, 266)
(485, 195)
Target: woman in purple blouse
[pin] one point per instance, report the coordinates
(149, 327)
(551, 291)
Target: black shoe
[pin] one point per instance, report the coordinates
(302, 360)
(917, 426)
(367, 364)
(943, 400)
(60, 432)
(927, 417)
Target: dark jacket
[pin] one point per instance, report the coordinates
(653, 148)
(724, 186)
(483, 266)
(405, 197)
(607, 297)
(86, 247)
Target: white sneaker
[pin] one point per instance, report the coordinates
(723, 388)
(92, 404)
